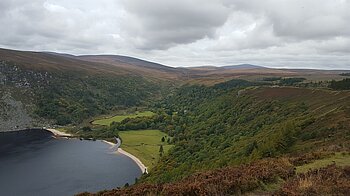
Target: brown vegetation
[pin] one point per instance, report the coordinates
(226, 181)
(331, 180)
(271, 176)
(309, 157)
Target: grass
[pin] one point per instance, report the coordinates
(340, 159)
(144, 144)
(119, 118)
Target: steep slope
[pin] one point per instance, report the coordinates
(50, 88)
(237, 126)
(238, 137)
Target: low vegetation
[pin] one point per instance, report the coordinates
(263, 177)
(340, 159)
(329, 180)
(120, 118)
(226, 181)
(147, 145)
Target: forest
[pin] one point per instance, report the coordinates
(236, 122)
(246, 137)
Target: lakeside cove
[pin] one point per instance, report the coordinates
(115, 146)
(77, 165)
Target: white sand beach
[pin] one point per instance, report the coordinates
(135, 159)
(59, 133)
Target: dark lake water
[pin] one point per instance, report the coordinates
(34, 163)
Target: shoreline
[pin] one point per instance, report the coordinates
(59, 133)
(138, 162)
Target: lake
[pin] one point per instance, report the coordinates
(34, 163)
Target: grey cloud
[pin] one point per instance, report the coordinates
(301, 19)
(57, 25)
(160, 24)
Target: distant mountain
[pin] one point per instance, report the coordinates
(61, 54)
(44, 61)
(89, 64)
(135, 65)
(129, 60)
(244, 66)
(124, 65)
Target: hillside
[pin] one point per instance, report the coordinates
(210, 75)
(252, 133)
(49, 88)
(55, 63)
(141, 67)
(228, 125)
(79, 87)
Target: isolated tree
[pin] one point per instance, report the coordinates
(161, 150)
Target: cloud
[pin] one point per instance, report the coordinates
(159, 24)
(277, 33)
(301, 19)
(59, 25)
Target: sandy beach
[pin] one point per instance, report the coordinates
(135, 159)
(59, 133)
(110, 143)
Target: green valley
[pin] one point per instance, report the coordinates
(146, 145)
(119, 118)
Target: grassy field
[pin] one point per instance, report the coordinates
(340, 159)
(144, 144)
(119, 118)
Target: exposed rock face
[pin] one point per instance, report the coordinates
(13, 114)
(17, 97)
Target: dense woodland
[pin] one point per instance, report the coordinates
(236, 122)
(220, 126)
(340, 85)
(243, 137)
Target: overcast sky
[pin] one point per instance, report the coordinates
(275, 33)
